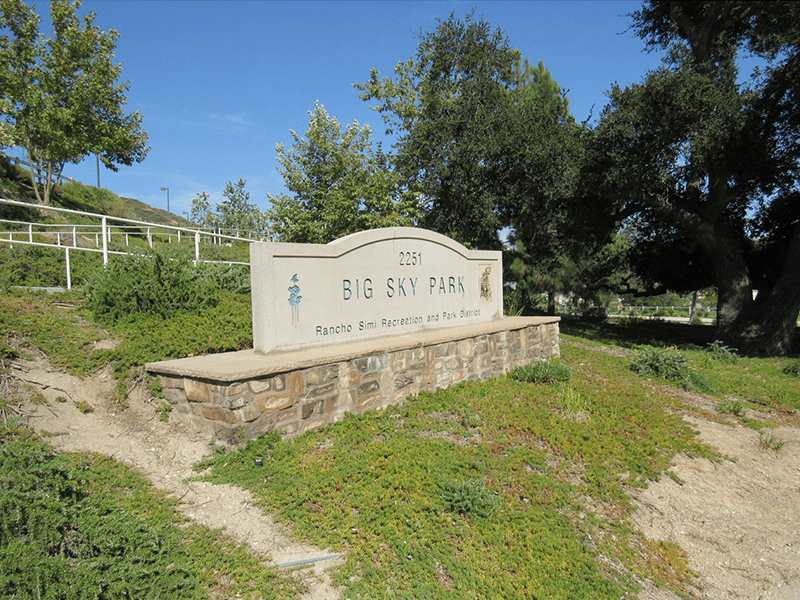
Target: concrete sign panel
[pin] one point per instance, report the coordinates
(376, 283)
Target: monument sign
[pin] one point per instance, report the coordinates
(375, 283)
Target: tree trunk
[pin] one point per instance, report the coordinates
(768, 326)
(763, 330)
(734, 285)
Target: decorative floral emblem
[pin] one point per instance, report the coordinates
(294, 300)
(486, 284)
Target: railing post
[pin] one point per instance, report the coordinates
(74, 237)
(196, 247)
(179, 236)
(30, 232)
(149, 238)
(69, 275)
(105, 242)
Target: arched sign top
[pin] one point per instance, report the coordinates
(375, 283)
(355, 241)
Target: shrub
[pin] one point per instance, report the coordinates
(468, 497)
(542, 371)
(672, 366)
(162, 283)
(723, 353)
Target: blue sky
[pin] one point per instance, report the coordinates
(220, 83)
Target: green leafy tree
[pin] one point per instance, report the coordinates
(235, 213)
(711, 165)
(340, 184)
(201, 213)
(542, 153)
(485, 139)
(60, 96)
(448, 107)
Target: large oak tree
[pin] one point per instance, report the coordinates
(707, 164)
(448, 106)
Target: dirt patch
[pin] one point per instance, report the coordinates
(737, 519)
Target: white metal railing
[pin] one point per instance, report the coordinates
(70, 233)
(70, 236)
(39, 172)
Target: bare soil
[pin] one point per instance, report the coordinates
(738, 519)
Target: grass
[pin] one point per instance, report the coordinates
(763, 382)
(769, 441)
(542, 371)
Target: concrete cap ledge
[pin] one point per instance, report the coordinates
(249, 364)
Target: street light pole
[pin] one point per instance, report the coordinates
(167, 190)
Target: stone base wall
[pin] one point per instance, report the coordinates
(300, 398)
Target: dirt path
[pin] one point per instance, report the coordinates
(739, 520)
(165, 453)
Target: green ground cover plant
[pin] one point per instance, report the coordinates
(759, 382)
(427, 501)
(74, 526)
(51, 324)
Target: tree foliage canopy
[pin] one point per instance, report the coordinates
(234, 215)
(485, 140)
(60, 98)
(700, 163)
(447, 105)
(340, 184)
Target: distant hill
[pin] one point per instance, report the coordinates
(15, 184)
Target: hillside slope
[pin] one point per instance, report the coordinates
(15, 184)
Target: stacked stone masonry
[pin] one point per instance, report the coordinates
(295, 401)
